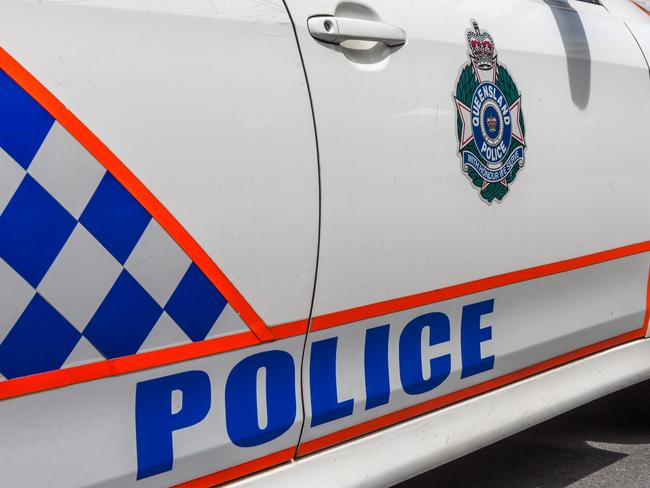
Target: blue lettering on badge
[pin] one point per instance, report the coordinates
(489, 120)
(491, 123)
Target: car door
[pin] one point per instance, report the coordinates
(485, 207)
(158, 239)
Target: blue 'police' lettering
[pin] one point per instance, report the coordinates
(471, 336)
(410, 353)
(375, 365)
(155, 421)
(241, 398)
(325, 406)
(244, 411)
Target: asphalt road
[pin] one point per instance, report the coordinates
(603, 444)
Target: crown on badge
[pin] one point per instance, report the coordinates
(492, 123)
(481, 47)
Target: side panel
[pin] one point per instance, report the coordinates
(158, 206)
(436, 283)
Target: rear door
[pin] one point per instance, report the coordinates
(485, 208)
(158, 239)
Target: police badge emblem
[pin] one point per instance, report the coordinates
(490, 124)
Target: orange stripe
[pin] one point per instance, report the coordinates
(415, 410)
(240, 470)
(646, 320)
(640, 7)
(137, 362)
(112, 164)
(174, 354)
(290, 329)
(126, 364)
(397, 304)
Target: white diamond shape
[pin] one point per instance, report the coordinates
(165, 333)
(80, 277)
(83, 353)
(158, 263)
(66, 170)
(229, 322)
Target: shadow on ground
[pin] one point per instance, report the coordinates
(603, 444)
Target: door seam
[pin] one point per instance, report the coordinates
(318, 239)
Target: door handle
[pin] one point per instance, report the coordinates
(335, 30)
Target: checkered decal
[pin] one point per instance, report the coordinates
(86, 273)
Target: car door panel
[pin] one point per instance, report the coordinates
(412, 254)
(158, 231)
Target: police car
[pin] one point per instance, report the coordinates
(327, 243)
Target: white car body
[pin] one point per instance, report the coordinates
(227, 246)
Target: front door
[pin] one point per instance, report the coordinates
(485, 212)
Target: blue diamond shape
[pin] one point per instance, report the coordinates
(124, 319)
(196, 304)
(41, 340)
(24, 123)
(115, 218)
(33, 229)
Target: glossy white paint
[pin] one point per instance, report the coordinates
(627, 9)
(400, 218)
(637, 19)
(206, 103)
(406, 450)
(398, 215)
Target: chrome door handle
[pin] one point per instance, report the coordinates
(335, 30)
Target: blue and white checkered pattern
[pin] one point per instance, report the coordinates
(85, 272)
